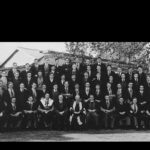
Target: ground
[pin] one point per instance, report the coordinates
(46, 136)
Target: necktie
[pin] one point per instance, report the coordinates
(134, 108)
(12, 93)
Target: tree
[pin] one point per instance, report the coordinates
(125, 49)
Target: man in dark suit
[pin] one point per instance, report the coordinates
(43, 91)
(136, 82)
(142, 100)
(12, 71)
(10, 92)
(85, 80)
(30, 113)
(141, 76)
(129, 75)
(91, 107)
(50, 82)
(15, 115)
(123, 81)
(16, 80)
(118, 75)
(130, 93)
(122, 114)
(45, 68)
(29, 80)
(110, 73)
(55, 93)
(73, 82)
(35, 67)
(86, 92)
(108, 108)
(34, 92)
(61, 83)
(61, 110)
(3, 112)
(23, 73)
(102, 66)
(66, 68)
(147, 88)
(22, 96)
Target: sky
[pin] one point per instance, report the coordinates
(7, 48)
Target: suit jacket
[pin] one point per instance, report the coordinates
(129, 77)
(86, 96)
(16, 83)
(7, 96)
(35, 69)
(54, 95)
(122, 108)
(42, 93)
(29, 106)
(92, 106)
(129, 96)
(2, 106)
(45, 70)
(29, 84)
(23, 74)
(142, 78)
(11, 74)
(11, 110)
(22, 97)
(35, 97)
(104, 105)
(61, 107)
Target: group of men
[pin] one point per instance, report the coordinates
(77, 95)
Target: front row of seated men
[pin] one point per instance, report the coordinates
(79, 115)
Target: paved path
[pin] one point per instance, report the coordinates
(38, 136)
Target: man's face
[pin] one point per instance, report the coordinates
(140, 69)
(97, 87)
(91, 97)
(73, 66)
(141, 88)
(123, 76)
(88, 68)
(73, 77)
(118, 86)
(87, 61)
(36, 61)
(13, 100)
(86, 75)
(136, 76)
(119, 70)
(55, 86)
(34, 85)
(22, 86)
(121, 100)
(130, 70)
(130, 85)
(110, 78)
(134, 101)
(60, 99)
(98, 75)
(17, 74)
(15, 65)
(27, 66)
(98, 68)
(77, 98)
(108, 68)
(106, 98)
(66, 84)
(44, 86)
(29, 75)
(99, 61)
(67, 61)
(53, 68)
(10, 85)
(30, 99)
(63, 77)
(51, 76)
(39, 73)
(47, 96)
(108, 85)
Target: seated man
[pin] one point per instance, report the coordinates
(134, 113)
(77, 117)
(122, 112)
(15, 115)
(142, 100)
(30, 113)
(108, 108)
(61, 117)
(147, 123)
(92, 114)
(2, 115)
(46, 111)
